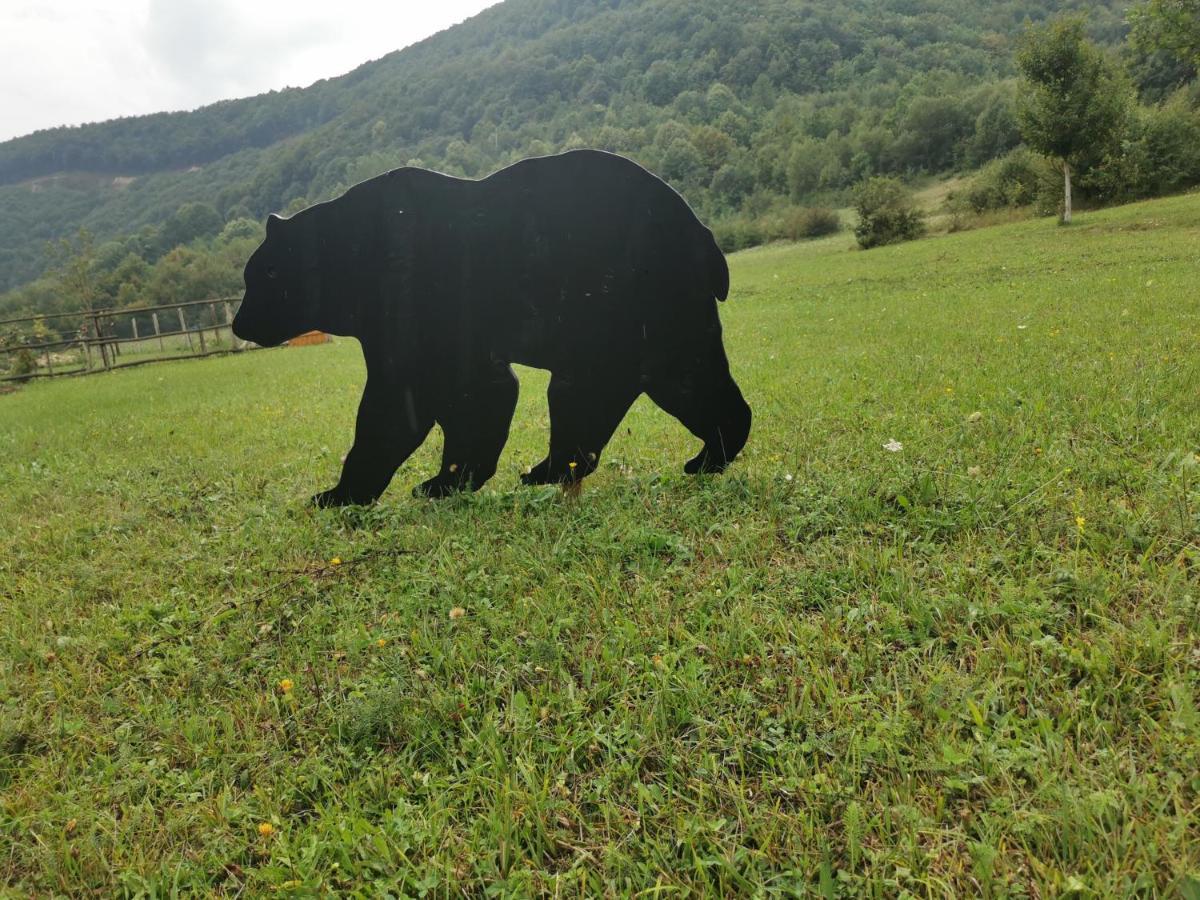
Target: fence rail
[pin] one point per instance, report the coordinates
(85, 342)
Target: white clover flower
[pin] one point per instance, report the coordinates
(893, 446)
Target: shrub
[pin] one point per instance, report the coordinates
(23, 363)
(1170, 136)
(1014, 180)
(886, 213)
(805, 223)
(1160, 156)
(738, 234)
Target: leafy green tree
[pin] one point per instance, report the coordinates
(714, 146)
(1170, 25)
(932, 130)
(236, 229)
(996, 129)
(1071, 101)
(733, 182)
(72, 260)
(805, 162)
(661, 82)
(122, 284)
(190, 221)
(186, 274)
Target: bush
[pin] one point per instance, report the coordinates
(1013, 180)
(1161, 155)
(791, 224)
(1170, 136)
(738, 234)
(23, 363)
(886, 213)
(802, 223)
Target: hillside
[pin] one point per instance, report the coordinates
(962, 666)
(738, 105)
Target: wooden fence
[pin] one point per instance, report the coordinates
(81, 343)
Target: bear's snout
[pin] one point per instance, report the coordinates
(249, 327)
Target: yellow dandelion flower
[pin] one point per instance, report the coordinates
(266, 829)
(336, 561)
(381, 643)
(286, 685)
(457, 613)
(572, 465)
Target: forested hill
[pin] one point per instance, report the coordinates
(737, 104)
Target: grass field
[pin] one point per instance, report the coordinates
(964, 666)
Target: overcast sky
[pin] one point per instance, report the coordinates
(64, 62)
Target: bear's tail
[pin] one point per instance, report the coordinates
(718, 269)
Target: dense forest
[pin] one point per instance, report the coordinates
(745, 108)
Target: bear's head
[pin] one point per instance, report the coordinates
(283, 289)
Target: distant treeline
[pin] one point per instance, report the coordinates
(747, 108)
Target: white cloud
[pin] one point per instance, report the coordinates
(63, 62)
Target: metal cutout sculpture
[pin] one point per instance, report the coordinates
(583, 263)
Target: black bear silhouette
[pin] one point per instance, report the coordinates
(583, 263)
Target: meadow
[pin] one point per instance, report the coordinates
(934, 635)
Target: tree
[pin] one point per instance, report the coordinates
(1169, 25)
(72, 260)
(996, 128)
(190, 221)
(1071, 100)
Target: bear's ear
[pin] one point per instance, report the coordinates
(273, 223)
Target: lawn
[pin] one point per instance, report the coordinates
(965, 665)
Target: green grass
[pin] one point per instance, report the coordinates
(969, 667)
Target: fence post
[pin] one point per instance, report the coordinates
(200, 334)
(233, 341)
(161, 346)
(133, 322)
(49, 365)
(100, 340)
(87, 347)
(183, 328)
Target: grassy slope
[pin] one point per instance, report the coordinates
(889, 671)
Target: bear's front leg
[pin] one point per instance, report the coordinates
(390, 426)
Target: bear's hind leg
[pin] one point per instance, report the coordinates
(475, 427)
(707, 400)
(384, 437)
(584, 413)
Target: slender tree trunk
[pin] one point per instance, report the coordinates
(1066, 215)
